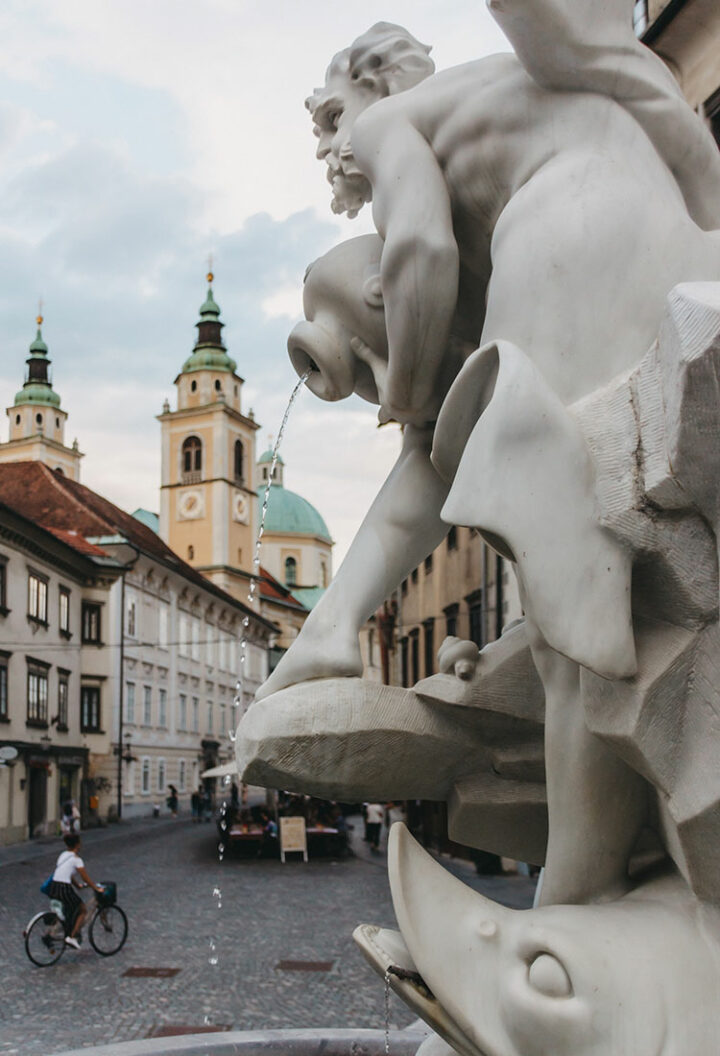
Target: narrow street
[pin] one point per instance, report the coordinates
(265, 913)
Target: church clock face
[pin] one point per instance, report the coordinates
(191, 505)
(240, 508)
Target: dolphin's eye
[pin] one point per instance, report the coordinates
(548, 977)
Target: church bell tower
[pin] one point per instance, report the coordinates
(207, 491)
(37, 421)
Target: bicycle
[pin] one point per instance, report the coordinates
(107, 929)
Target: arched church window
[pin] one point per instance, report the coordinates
(191, 553)
(191, 459)
(323, 574)
(38, 419)
(290, 571)
(17, 419)
(193, 385)
(239, 460)
(218, 386)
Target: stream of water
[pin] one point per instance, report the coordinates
(213, 957)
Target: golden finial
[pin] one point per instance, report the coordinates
(40, 315)
(210, 275)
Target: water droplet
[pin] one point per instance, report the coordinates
(227, 779)
(212, 959)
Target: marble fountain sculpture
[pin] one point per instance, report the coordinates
(540, 311)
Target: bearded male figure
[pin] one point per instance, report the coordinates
(551, 202)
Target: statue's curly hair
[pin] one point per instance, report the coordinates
(389, 59)
(386, 58)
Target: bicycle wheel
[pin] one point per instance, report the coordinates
(45, 939)
(108, 930)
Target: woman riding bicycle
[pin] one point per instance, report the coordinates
(68, 868)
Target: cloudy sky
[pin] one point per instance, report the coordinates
(137, 136)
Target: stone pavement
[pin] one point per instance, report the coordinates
(266, 912)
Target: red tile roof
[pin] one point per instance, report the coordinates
(273, 590)
(74, 513)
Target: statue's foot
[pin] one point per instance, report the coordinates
(315, 655)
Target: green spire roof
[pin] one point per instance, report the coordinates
(209, 352)
(37, 388)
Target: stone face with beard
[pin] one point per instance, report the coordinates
(385, 60)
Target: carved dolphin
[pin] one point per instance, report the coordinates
(637, 977)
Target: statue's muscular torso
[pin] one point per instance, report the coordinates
(548, 191)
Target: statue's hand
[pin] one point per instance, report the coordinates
(389, 413)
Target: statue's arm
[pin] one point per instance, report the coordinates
(420, 260)
(401, 528)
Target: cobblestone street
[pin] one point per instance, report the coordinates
(166, 876)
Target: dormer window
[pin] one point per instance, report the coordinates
(290, 572)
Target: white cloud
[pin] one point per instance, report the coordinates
(135, 137)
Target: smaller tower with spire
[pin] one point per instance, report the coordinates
(37, 421)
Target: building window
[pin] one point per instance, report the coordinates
(130, 778)
(404, 660)
(162, 707)
(452, 539)
(323, 575)
(195, 638)
(90, 709)
(404, 588)
(415, 655)
(147, 705)
(428, 564)
(192, 460)
(63, 697)
(183, 643)
(429, 646)
(414, 576)
(196, 714)
(146, 776)
(209, 644)
(91, 623)
(163, 625)
(371, 647)
(239, 460)
(130, 703)
(37, 598)
(222, 659)
(4, 704)
(451, 619)
(4, 610)
(209, 717)
(161, 775)
(131, 617)
(290, 571)
(182, 712)
(37, 694)
(475, 613)
(64, 612)
(191, 553)
(181, 775)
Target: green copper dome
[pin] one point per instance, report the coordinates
(209, 352)
(37, 388)
(267, 456)
(289, 512)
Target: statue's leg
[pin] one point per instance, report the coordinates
(596, 803)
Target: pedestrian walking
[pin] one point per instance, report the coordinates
(375, 817)
(172, 800)
(196, 804)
